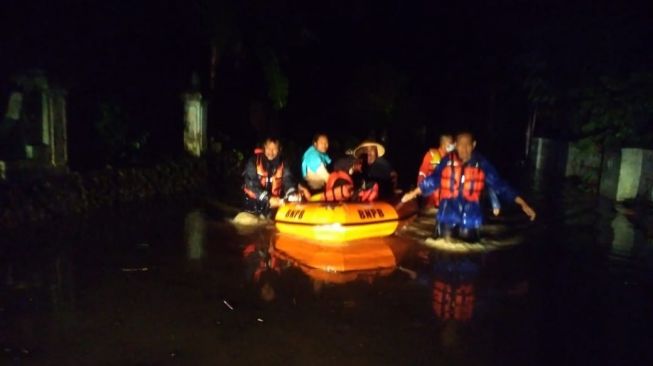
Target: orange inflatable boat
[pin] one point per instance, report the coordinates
(344, 221)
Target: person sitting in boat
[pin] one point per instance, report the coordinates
(268, 180)
(431, 160)
(315, 162)
(461, 177)
(376, 169)
(342, 182)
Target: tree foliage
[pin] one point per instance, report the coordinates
(277, 82)
(587, 79)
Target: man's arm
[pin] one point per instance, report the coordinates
(494, 201)
(289, 182)
(503, 190)
(251, 180)
(425, 167)
(428, 184)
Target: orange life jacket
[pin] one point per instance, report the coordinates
(276, 180)
(343, 191)
(456, 176)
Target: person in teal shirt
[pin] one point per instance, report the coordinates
(315, 162)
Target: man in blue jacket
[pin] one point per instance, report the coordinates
(461, 178)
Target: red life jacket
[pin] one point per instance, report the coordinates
(456, 176)
(276, 180)
(342, 191)
(340, 187)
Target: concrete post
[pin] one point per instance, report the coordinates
(627, 174)
(58, 128)
(195, 141)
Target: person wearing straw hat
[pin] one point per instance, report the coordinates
(376, 168)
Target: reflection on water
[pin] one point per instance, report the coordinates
(578, 281)
(624, 235)
(336, 263)
(195, 235)
(453, 284)
(35, 297)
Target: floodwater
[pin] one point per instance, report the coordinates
(176, 283)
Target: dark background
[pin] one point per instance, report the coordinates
(400, 71)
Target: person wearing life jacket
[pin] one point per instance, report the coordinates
(267, 180)
(315, 162)
(378, 174)
(344, 180)
(462, 176)
(430, 162)
(346, 183)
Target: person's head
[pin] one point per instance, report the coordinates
(321, 142)
(446, 141)
(372, 149)
(372, 153)
(465, 144)
(271, 148)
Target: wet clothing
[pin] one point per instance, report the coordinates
(263, 179)
(447, 231)
(461, 186)
(381, 173)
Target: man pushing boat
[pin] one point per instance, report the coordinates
(461, 177)
(268, 180)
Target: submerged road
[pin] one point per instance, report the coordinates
(167, 284)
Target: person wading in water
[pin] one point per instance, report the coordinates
(461, 177)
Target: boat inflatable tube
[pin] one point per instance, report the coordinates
(336, 222)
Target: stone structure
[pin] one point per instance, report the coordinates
(34, 126)
(627, 174)
(66, 194)
(554, 160)
(195, 109)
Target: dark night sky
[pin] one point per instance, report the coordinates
(458, 61)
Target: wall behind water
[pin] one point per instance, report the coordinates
(619, 174)
(584, 161)
(72, 193)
